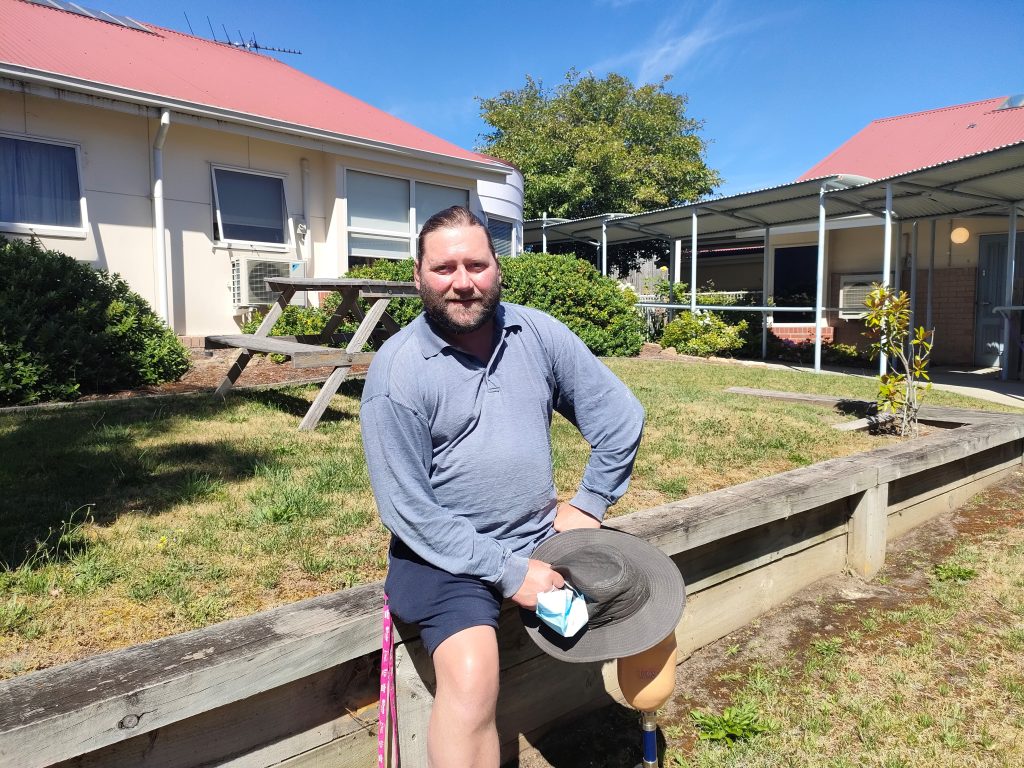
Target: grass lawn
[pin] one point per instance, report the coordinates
(133, 520)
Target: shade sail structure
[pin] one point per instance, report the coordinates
(987, 183)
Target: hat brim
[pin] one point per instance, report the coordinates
(651, 624)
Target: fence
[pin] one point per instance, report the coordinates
(297, 685)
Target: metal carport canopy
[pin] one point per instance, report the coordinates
(986, 184)
(795, 203)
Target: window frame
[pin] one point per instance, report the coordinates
(513, 233)
(286, 247)
(413, 232)
(52, 230)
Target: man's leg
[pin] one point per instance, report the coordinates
(462, 730)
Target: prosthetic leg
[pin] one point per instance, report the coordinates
(646, 681)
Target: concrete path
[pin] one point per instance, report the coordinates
(983, 383)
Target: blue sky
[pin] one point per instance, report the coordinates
(779, 85)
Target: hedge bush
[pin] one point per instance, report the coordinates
(67, 329)
(594, 307)
(703, 334)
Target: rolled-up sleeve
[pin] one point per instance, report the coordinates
(396, 440)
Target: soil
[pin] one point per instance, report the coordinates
(209, 368)
(611, 736)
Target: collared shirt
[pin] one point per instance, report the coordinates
(459, 451)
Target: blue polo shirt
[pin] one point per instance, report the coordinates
(459, 451)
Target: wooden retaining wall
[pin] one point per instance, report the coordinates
(297, 685)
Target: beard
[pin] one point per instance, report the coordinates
(454, 318)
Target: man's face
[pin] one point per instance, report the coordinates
(458, 279)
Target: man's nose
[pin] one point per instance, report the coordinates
(461, 281)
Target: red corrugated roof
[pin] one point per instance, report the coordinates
(186, 68)
(895, 145)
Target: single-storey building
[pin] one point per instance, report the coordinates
(197, 168)
(954, 180)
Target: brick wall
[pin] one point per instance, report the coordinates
(952, 312)
(953, 297)
(193, 342)
(799, 333)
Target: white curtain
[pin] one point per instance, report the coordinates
(39, 184)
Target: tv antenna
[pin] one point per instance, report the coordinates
(249, 45)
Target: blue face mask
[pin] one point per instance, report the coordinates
(564, 610)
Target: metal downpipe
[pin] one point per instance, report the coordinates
(160, 266)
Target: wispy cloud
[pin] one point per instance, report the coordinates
(678, 41)
(617, 3)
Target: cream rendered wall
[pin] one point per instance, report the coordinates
(201, 269)
(116, 177)
(734, 276)
(861, 250)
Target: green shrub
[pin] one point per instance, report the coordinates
(802, 352)
(404, 311)
(594, 307)
(703, 334)
(294, 321)
(67, 329)
(300, 321)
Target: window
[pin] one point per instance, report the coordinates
(796, 277)
(501, 235)
(39, 185)
(431, 198)
(378, 216)
(249, 208)
(381, 224)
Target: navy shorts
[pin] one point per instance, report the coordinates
(439, 602)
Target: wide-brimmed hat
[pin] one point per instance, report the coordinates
(634, 592)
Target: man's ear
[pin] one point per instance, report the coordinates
(416, 273)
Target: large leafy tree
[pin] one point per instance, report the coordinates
(596, 145)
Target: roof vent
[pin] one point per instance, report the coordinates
(89, 13)
(1012, 102)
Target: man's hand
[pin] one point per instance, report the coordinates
(568, 517)
(540, 577)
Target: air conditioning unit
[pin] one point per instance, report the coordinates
(248, 275)
(853, 289)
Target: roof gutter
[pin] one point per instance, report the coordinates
(103, 90)
(160, 251)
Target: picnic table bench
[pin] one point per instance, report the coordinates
(312, 351)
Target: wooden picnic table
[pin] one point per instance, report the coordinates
(312, 351)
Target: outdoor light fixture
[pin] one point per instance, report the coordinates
(959, 235)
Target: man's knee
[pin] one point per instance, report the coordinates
(466, 666)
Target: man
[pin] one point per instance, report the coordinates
(456, 417)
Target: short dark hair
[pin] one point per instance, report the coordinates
(449, 218)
